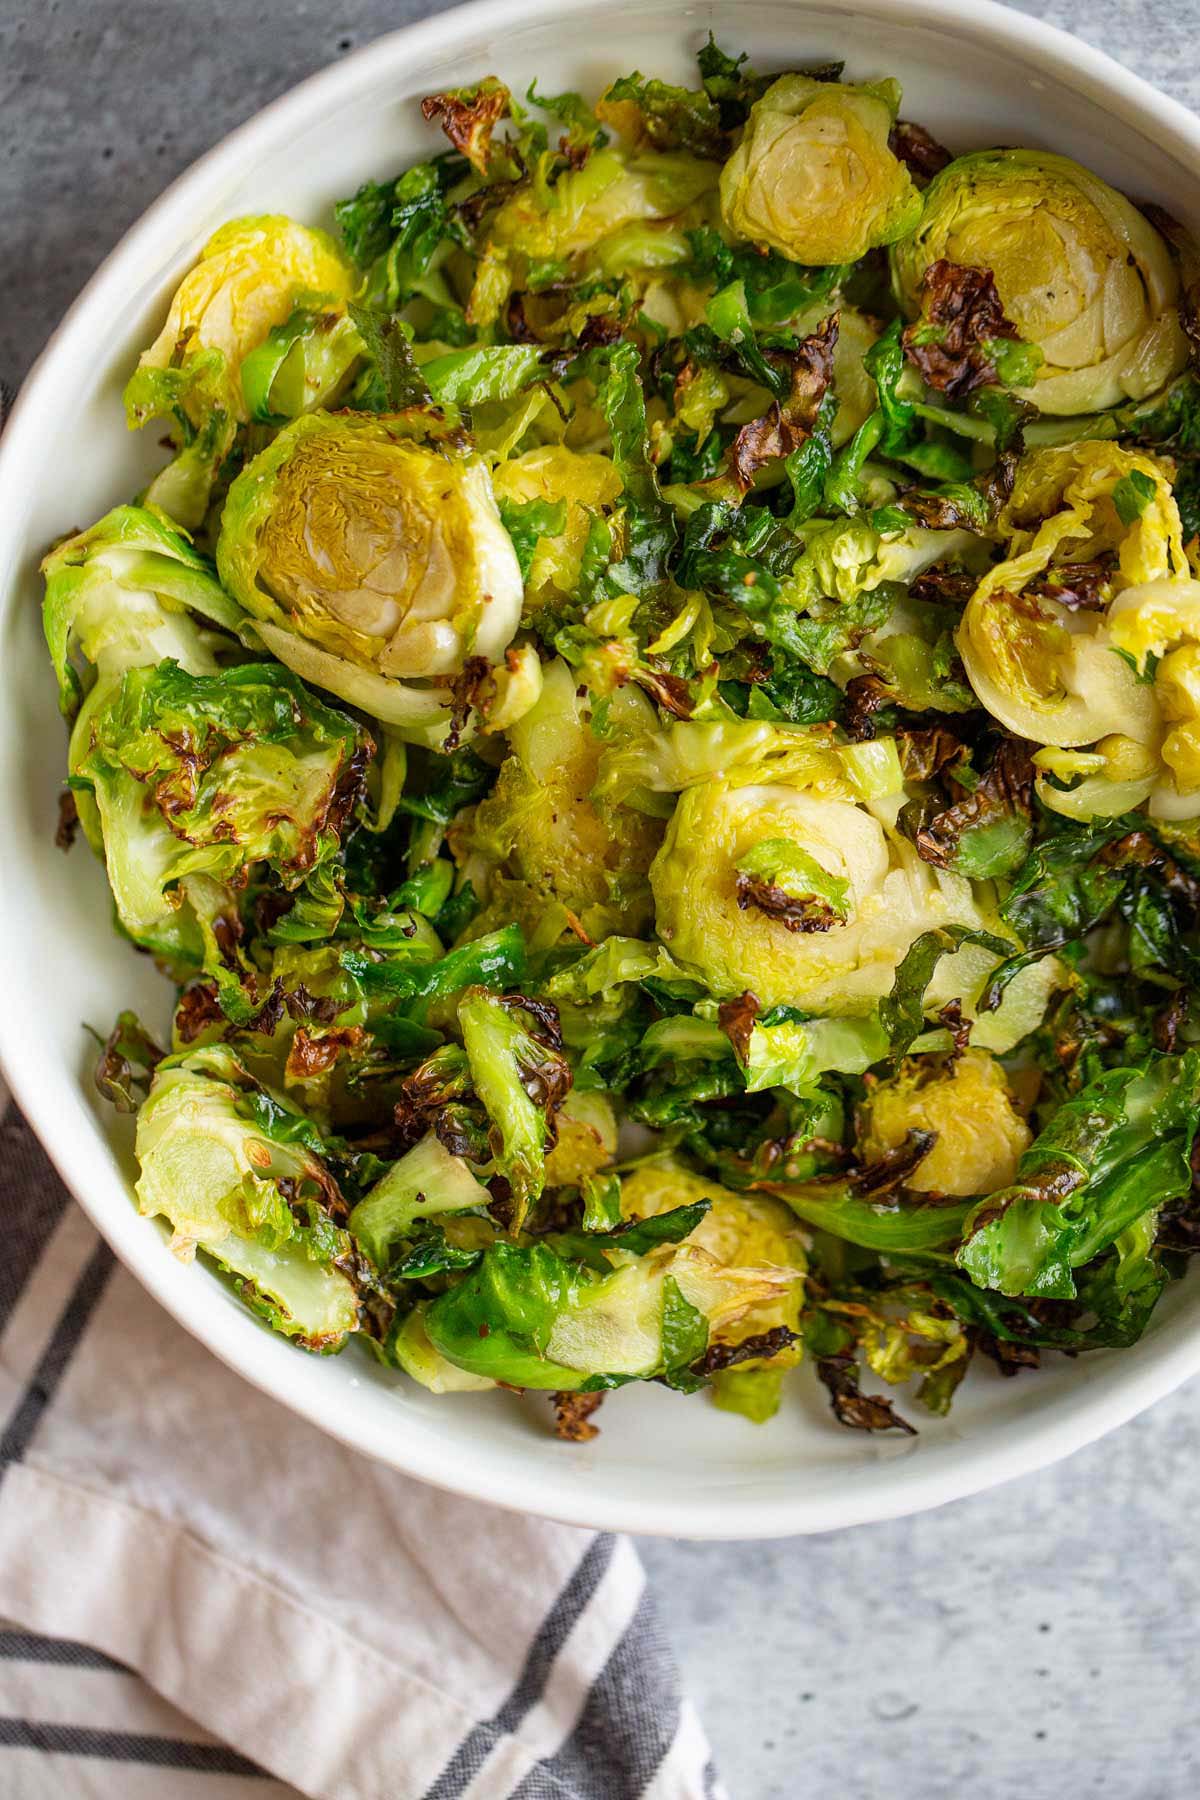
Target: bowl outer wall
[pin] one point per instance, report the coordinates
(659, 1467)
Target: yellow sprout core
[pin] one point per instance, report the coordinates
(980, 1134)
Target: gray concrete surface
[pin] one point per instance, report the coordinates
(1036, 1642)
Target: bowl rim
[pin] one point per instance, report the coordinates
(1018, 1446)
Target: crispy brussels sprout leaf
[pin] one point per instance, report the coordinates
(428, 1181)
(1117, 1151)
(130, 591)
(514, 1047)
(534, 1319)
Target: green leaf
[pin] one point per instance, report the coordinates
(484, 372)
(496, 960)
(601, 1202)
(787, 866)
(526, 521)
(1112, 1154)
(365, 221)
(451, 782)
(509, 1066)
(884, 363)
(390, 348)
(636, 1237)
(808, 468)
(649, 522)
(673, 118)
(1131, 496)
(433, 1255)
(583, 128)
(684, 1337)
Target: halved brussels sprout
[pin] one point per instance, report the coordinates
(813, 176)
(199, 779)
(1047, 672)
(251, 275)
(1050, 674)
(737, 941)
(750, 1229)
(121, 596)
(609, 193)
(219, 1163)
(739, 1230)
(847, 557)
(372, 564)
(1081, 273)
(206, 371)
(979, 1133)
(537, 1320)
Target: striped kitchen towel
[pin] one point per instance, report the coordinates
(206, 1599)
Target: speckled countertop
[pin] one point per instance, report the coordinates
(1039, 1641)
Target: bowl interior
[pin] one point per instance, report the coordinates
(975, 77)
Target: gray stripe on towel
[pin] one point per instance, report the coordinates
(480, 1741)
(628, 1724)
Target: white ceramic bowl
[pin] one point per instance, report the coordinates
(977, 75)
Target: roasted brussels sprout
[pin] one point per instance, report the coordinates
(746, 935)
(813, 176)
(978, 1135)
(251, 275)
(122, 595)
(372, 564)
(610, 194)
(737, 1229)
(541, 823)
(264, 291)
(1045, 669)
(836, 949)
(555, 1323)
(223, 1163)
(199, 779)
(1082, 274)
